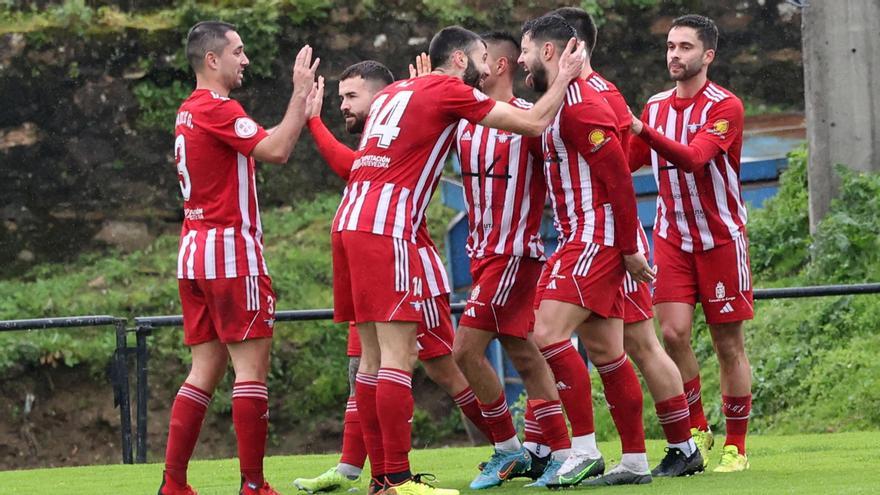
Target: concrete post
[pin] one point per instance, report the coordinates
(841, 41)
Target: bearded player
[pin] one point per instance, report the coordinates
(396, 169)
(692, 137)
(640, 340)
(358, 84)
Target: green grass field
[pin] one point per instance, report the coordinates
(802, 464)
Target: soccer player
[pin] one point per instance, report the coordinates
(504, 190)
(377, 281)
(640, 340)
(595, 212)
(692, 136)
(358, 84)
(225, 289)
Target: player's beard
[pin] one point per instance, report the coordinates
(687, 70)
(538, 74)
(472, 76)
(357, 125)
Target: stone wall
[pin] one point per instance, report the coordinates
(79, 168)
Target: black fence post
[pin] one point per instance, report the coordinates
(143, 391)
(124, 395)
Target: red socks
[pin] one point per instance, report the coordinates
(497, 417)
(394, 398)
(187, 415)
(695, 404)
(573, 383)
(354, 452)
(365, 393)
(250, 415)
(736, 413)
(674, 418)
(552, 421)
(533, 431)
(624, 395)
(468, 404)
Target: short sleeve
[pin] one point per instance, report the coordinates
(724, 123)
(465, 102)
(228, 122)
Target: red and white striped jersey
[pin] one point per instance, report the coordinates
(436, 279)
(701, 208)
(504, 189)
(222, 236)
(587, 173)
(617, 103)
(403, 149)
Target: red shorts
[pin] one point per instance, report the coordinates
(587, 275)
(375, 278)
(637, 301)
(720, 279)
(229, 309)
(503, 295)
(434, 336)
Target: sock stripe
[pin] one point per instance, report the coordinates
(545, 411)
(351, 405)
(673, 416)
(610, 367)
(367, 379)
(250, 390)
(693, 396)
(465, 397)
(395, 376)
(194, 395)
(556, 349)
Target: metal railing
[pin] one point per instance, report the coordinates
(144, 326)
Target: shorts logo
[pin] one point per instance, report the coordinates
(475, 294)
(471, 312)
(727, 308)
(245, 127)
(417, 305)
(720, 291)
(554, 275)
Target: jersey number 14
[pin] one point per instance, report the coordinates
(384, 119)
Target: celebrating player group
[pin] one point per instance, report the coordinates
(578, 144)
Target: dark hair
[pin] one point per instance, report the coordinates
(368, 70)
(204, 37)
(706, 29)
(447, 41)
(583, 24)
(510, 44)
(549, 27)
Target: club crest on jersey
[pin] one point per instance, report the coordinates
(598, 138)
(245, 127)
(720, 127)
(503, 136)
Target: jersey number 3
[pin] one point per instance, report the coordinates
(384, 120)
(182, 172)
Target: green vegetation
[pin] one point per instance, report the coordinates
(802, 464)
(813, 359)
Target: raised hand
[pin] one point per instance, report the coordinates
(304, 72)
(422, 67)
(315, 100)
(571, 62)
